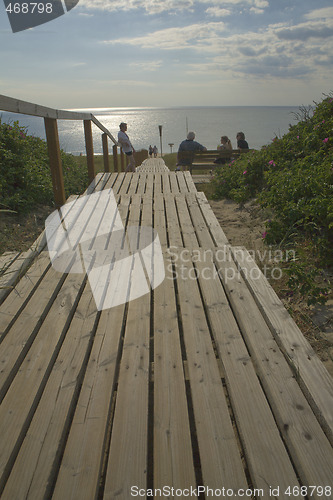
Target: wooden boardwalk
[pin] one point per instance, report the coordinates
(204, 381)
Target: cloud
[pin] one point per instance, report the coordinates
(171, 6)
(147, 65)
(304, 31)
(325, 13)
(218, 12)
(195, 35)
(150, 6)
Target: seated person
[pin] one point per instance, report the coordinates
(187, 147)
(225, 145)
(241, 142)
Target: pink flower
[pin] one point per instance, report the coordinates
(272, 163)
(264, 234)
(245, 172)
(325, 140)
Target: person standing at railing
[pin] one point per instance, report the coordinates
(127, 147)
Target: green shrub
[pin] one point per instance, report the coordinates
(25, 178)
(293, 178)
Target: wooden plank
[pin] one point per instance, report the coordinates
(173, 228)
(21, 398)
(158, 183)
(189, 181)
(14, 272)
(312, 375)
(117, 185)
(84, 456)
(255, 421)
(183, 188)
(150, 183)
(173, 458)
(174, 183)
(52, 138)
(134, 183)
(27, 108)
(128, 179)
(307, 444)
(212, 223)
(33, 472)
(142, 184)
(6, 259)
(220, 456)
(105, 152)
(89, 149)
(188, 233)
(199, 223)
(127, 464)
(166, 183)
(15, 302)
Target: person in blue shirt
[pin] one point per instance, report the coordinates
(184, 156)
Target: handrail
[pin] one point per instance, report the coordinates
(13, 105)
(51, 116)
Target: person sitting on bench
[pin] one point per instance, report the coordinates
(187, 147)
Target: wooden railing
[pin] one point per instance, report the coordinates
(51, 116)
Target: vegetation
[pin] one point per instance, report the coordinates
(292, 179)
(25, 178)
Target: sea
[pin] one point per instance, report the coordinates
(260, 124)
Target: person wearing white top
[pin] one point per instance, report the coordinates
(127, 147)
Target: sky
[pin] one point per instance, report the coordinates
(160, 53)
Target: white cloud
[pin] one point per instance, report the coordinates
(202, 35)
(171, 6)
(324, 13)
(147, 65)
(218, 12)
(150, 6)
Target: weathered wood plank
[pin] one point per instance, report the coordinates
(212, 223)
(308, 446)
(82, 464)
(220, 456)
(127, 463)
(35, 467)
(311, 373)
(255, 421)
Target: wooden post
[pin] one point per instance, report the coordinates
(52, 138)
(122, 160)
(115, 158)
(89, 149)
(105, 153)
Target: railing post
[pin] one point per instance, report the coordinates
(115, 158)
(89, 149)
(105, 153)
(122, 160)
(52, 138)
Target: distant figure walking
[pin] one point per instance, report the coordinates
(127, 147)
(150, 151)
(184, 156)
(241, 142)
(155, 150)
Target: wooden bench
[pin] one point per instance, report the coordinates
(207, 159)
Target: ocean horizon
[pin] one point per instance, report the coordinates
(260, 124)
